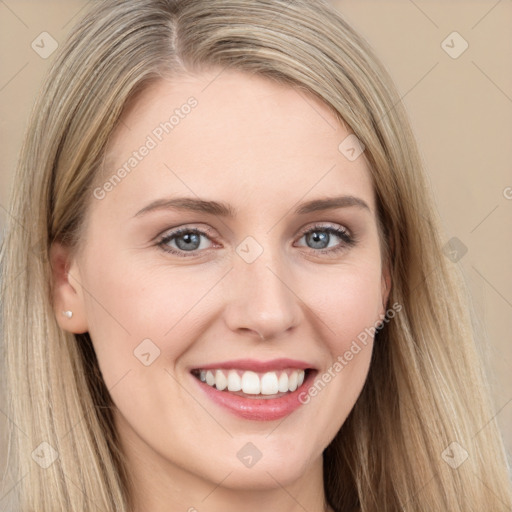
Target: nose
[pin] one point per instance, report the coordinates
(260, 297)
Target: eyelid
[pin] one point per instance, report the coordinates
(320, 225)
(173, 233)
(348, 239)
(186, 228)
(211, 232)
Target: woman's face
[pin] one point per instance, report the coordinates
(261, 294)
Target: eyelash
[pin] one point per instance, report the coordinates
(348, 240)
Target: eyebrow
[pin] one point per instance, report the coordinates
(225, 210)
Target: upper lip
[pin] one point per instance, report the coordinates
(256, 365)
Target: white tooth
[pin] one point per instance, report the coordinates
(234, 381)
(269, 384)
(202, 375)
(210, 379)
(251, 383)
(300, 378)
(283, 382)
(292, 381)
(220, 380)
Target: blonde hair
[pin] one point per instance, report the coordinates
(425, 387)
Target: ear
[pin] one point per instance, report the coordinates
(66, 290)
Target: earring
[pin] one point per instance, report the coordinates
(67, 314)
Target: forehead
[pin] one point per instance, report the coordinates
(231, 135)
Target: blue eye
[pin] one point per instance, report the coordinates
(320, 237)
(188, 240)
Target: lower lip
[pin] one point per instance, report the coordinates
(259, 409)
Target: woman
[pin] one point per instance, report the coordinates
(230, 290)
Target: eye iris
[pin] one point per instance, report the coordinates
(188, 241)
(318, 237)
(191, 238)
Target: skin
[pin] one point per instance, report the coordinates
(261, 147)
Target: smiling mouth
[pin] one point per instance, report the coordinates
(250, 384)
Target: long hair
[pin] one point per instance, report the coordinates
(425, 389)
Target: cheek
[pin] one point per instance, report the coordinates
(347, 304)
(133, 310)
(347, 300)
(131, 307)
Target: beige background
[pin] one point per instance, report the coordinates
(461, 111)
